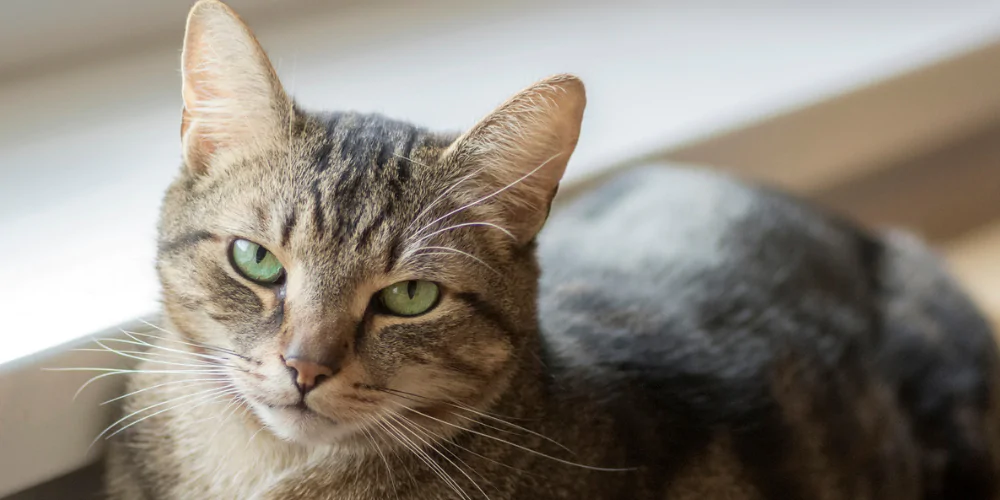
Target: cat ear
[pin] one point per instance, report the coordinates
(521, 149)
(233, 100)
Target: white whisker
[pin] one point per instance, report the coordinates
(467, 224)
(445, 250)
(495, 419)
(193, 383)
(410, 425)
(529, 450)
(118, 371)
(410, 160)
(193, 344)
(206, 400)
(438, 200)
(142, 343)
(165, 355)
(487, 197)
(125, 370)
(227, 413)
(453, 403)
(142, 358)
(375, 419)
(427, 460)
(484, 414)
(447, 442)
(213, 390)
(134, 336)
(254, 435)
(378, 449)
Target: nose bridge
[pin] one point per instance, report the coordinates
(318, 327)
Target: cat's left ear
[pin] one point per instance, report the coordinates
(521, 149)
(233, 101)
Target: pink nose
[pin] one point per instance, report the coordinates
(307, 373)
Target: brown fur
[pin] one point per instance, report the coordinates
(632, 380)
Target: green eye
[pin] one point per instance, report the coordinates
(256, 262)
(409, 298)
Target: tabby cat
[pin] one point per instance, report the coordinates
(353, 310)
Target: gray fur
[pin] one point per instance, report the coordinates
(727, 342)
(680, 335)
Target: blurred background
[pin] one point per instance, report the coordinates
(887, 111)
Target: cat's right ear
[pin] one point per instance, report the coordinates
(233, 101)
(521, 149)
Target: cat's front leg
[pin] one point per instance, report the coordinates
(290, 491)
(322, 481)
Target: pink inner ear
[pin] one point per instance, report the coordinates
(203, 128)
(196, 93)
(229, 88)
(204, 145)
(523, 147)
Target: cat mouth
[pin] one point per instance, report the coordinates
(299, 407)
(302, 410)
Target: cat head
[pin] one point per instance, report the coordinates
(354, 265)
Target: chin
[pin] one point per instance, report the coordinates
(302, 425)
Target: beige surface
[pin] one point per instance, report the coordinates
(976, 260)
(838, 140)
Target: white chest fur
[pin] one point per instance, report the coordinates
(224, 452)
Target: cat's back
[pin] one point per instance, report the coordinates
(689, 264)
(706, 309)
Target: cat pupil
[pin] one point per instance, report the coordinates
(261, 253)
(411, 288)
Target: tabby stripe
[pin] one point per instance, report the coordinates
(298, 121)
(384, 155)
(187, 240)
(235, 298)
(261, 215)
(487, 311)
(347, 227)
(403, 165)
(286, 229)
(395, 252)
(318, 219)
(350, 146)
(458, 365)
(348, 184)
(274, 319)
(359, 333)
(377, 222)
(322, 158)
(219, 317)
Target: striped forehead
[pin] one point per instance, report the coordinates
(360, 180)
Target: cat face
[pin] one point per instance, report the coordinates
(354, 264)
